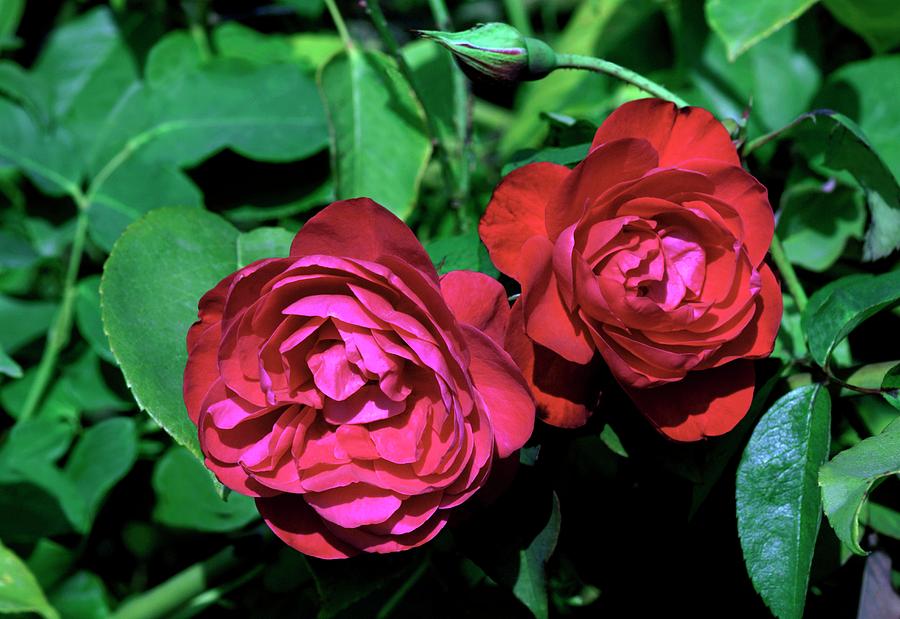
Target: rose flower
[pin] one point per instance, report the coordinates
(649, 252)
(355, 394)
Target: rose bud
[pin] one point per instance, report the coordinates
(497, 51)
(649, 254)
(355, 394)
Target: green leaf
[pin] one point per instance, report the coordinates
(46, 155)
(464, 252)
(838, 308)
(102, 457)
(187, 499)
(778, 501)
(877, 21)
(10, 15)
(884, 520)
(88, 319)
(50, 562)
(531, 582)
(890, 385)
(172, 256)
(8, 365)
(847, 479)
(741, 24)
(19, 591)
(21, 322)
(132, 189)
(817, 220)
(81, 596)
(379, 146)
(88, 67)
(263, 243)
(563, 155)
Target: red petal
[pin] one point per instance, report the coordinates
(676, 134)
(703, 404)
(566, 393)
(738, 189)
(547, 321)
(758, 339)
(361, 229)
(516, 211)
(477, 300)
(203, 339)
(504, 391)
(603, 168)
(295, 522)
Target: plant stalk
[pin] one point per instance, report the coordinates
(339, 23)
(787, 273)
(598, 65)
(166, 598)
(58, 335)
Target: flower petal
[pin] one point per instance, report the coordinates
(478, 300)
(295, 522)
(362, 229)
(516, 211)
(676, 134)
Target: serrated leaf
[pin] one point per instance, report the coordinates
(741, 24)
(379, 145)
(847, 479)
(778, 500)
(19, 591)
(185, 497)
(172, 256)
(838, 308)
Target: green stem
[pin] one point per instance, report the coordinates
(58, 336)
(441, 15)
(164, 599)
(394, 601)
(762, 140)
(518, 16)
(339, 23)
(787, 273)
(373, 9)
(597, 65)
(196, 13)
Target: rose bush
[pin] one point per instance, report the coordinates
(650, 251)
(355, 394)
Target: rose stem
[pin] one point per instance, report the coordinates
(787, 273)
(339, 23)
(197, 19)
(373, 10)
(164, 599)
(58, 335)
(597, 65)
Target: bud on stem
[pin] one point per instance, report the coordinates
(497, 51)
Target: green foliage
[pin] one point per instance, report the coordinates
(778, 501)
(849, 477)
(185, 498)
(379, 144)
(741, 24)
(19, 591)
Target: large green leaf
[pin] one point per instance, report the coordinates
(877, 21)
(778, 500)
(81, 596)
(379, 146)
(531, 582)
(817, 220)
(741, 24)
(263, 243)
(185, 498)
(838, 308)
(19, 591)
(847, 479)
(172, 256)
(87, 66)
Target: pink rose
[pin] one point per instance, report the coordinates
(355, 394)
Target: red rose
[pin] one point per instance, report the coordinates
(358, 397)
(650, 252)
